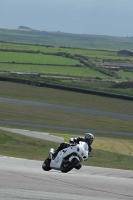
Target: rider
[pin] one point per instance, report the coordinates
(88, 138)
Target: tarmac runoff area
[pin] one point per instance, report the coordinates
(25, 179)
(35, 134)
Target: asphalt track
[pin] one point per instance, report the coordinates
(25, 179)
(69, 109)
(78, 130)
(35, 134)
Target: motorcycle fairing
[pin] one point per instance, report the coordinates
(80, 150)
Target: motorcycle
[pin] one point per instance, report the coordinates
(67, 158)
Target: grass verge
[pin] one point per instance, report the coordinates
(110, 143)
(55, 117)
(21, 146)
(61, 97)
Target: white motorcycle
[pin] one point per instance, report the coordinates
(68, 158)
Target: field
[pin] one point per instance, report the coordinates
(43, 48)
(94, 53)
(55, 70)
(62, 65)
(11, 57)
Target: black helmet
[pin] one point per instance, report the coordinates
(89, 137)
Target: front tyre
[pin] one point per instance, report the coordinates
(46, 165)
(69, 166)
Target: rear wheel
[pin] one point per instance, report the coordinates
(46, 165)
(78, 166)
(66, 167)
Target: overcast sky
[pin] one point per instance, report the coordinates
(99, 17)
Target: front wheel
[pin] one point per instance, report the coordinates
(46, 165)
(66, 167)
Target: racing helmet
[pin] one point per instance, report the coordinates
(89, 137)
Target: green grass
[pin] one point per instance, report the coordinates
(20, 146)
(126, 75)
(110, 160)
(128, 91)
(35, 58)
(16, 145)
(92, 53)
(56, 49)
(61, 97)
(66, 70)
(107, 57)
(45, 116)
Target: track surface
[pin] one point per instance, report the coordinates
(25, 179)
(64, 128)
(68, 108)
(35, 134)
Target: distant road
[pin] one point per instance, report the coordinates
(2, 122)
(35, 134)
(68, 108)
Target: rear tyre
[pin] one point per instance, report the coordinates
(69, 166)
(78, 166)
(46, 165)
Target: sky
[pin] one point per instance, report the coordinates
(98, 17)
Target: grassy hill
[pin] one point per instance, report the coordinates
(28, 35)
